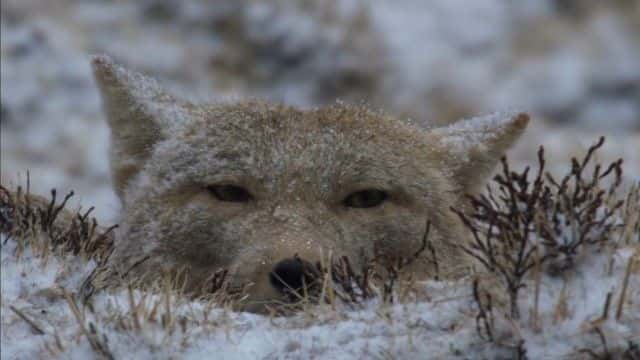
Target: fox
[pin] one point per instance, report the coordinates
(264, 189)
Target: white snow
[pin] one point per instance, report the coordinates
(439, 324)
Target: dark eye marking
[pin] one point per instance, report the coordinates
(366, 198)
(230, 193)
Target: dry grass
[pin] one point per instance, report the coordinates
(47, 227)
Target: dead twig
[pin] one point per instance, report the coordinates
(34, 326)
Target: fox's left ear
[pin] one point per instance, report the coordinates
(473, 147)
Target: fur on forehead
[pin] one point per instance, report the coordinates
(358, 121)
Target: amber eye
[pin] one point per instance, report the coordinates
(230, 193)
(365, 198)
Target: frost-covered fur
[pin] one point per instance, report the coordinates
(298, 168)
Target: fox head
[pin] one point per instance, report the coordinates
(259, 189)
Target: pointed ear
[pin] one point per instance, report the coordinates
(139, 114)
(474, 146)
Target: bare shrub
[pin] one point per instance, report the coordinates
(542, 220)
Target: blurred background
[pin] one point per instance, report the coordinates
(573, 64)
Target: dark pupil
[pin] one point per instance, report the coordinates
(230, 193)
(365, 198)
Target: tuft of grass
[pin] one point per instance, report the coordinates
(46, 226)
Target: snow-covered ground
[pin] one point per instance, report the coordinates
(575, 66)
(440, 325)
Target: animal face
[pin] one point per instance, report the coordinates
(262, 189)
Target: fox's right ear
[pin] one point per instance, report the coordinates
(473, 147)
(139, 114)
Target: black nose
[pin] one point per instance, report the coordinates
(292, 274)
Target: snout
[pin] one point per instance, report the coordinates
(293, 274)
